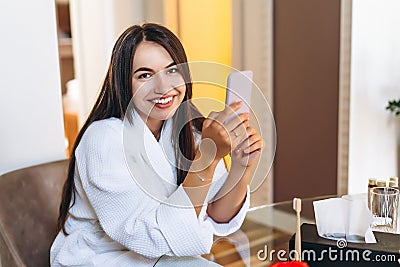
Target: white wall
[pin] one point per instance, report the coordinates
(96, 24)
(375, 78)
(30, 94)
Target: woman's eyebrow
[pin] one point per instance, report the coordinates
(151, 70)
(143, 69)
(170, 65)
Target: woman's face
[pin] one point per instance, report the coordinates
(157, 86)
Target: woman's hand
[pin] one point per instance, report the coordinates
(232, 134)
(249, 151)
(221, 134)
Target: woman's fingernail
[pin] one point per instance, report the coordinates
(237, 151)
(247, 150)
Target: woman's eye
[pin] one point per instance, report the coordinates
(173, 70)
(144, 76)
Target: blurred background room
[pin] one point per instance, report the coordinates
(326, 68)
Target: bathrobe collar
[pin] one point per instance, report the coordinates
(151, 163)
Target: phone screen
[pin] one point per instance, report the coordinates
(239, 88)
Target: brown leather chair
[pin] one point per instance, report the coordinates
(29, 203)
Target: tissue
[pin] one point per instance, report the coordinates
(344, 218)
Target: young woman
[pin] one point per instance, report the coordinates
(106, 217)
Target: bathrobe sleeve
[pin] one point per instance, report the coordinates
(224, 229)
(130, 216)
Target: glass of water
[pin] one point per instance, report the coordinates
(384, 205)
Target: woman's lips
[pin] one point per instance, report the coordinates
(163, 102)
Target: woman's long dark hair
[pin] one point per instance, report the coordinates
(116, 93)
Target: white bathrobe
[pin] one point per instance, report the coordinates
(116, 221)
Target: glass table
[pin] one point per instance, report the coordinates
(265, 228)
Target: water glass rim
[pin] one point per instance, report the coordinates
(388, 191)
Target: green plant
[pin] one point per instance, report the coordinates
(394, 106)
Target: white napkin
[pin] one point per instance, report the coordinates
(344, 218)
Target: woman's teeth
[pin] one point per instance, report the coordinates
(162, 100)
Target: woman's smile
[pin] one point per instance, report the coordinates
(164, 101)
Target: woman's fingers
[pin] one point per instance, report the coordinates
(224, 114)
(237, 121)
(252, 142)
(236, 133)
(249, 150)
(244, 139)
(253, 147)
(235, 129)
(239, 134)
(211, 117)
(228, 111)
(215, 131)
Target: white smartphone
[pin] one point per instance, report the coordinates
(239, 88)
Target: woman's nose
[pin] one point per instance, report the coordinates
(163, 84)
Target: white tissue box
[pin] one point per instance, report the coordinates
(344, 218)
